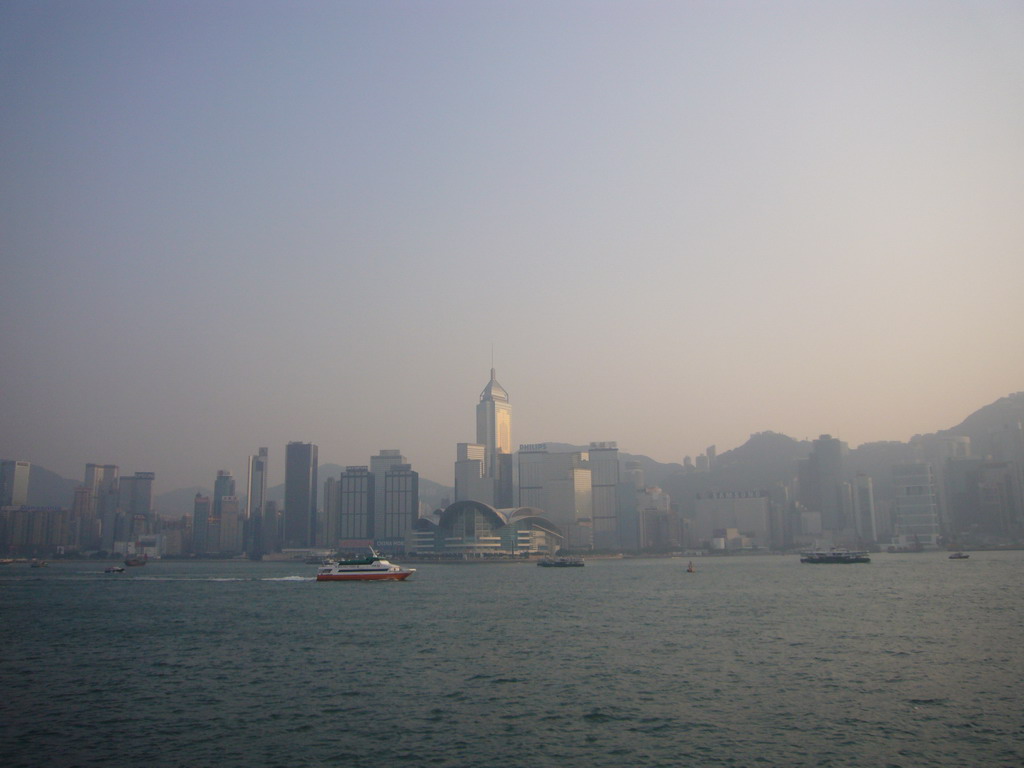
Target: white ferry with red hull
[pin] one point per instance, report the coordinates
(373, 567)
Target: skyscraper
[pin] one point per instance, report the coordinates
(916, 507)
(200, 523)
(483, 470)
(223, 486)
(256, 494)
(14, 483)
(300, 495)
(256, 485)
(494, 423)
(401, 507)
(864, 508)
(136, 503)
(822, 476)
(102, 481)
(604, 468)
(471, 483)
(379, 466)
(561, 485)
(357, 495)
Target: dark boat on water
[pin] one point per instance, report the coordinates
(135, 560)
(561, 562)
(834, 556)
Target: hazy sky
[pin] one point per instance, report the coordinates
(233, 224)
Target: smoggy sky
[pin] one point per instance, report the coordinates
(232, 224)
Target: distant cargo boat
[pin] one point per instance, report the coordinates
(834, 556)
(135, 560)
(373, 567)
(959, 556)
(561, 562)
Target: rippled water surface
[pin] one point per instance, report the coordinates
(911, 660)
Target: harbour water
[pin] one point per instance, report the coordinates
(911, 660)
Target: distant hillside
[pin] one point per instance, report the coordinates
(761, 461)
(980, 425)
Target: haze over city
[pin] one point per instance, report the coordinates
(670, 225)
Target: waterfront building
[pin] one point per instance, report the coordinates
(357, 496)
(223, 485)
(822, 478)
(747, 512)
(231, 526)
(300, 495)
(135, 507)
(986, 500)
(401, 507)
(14, 482)
(604, 477)
(330, 518)
(471, 480)
(916, 506)
(379, 466)
(271, 528)
(471, 529)
(560, 484)
(103, 482)
(657, 528)
(34, 531)
(256, 494)
(201, 509)
(864, 508)
(87, 531)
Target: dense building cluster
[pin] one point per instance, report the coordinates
(539, 500)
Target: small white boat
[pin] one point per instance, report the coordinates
(373, 567)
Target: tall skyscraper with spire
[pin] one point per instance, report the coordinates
(494, 433)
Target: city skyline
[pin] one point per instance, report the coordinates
(674, 224)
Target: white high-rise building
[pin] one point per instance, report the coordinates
(916, 508)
